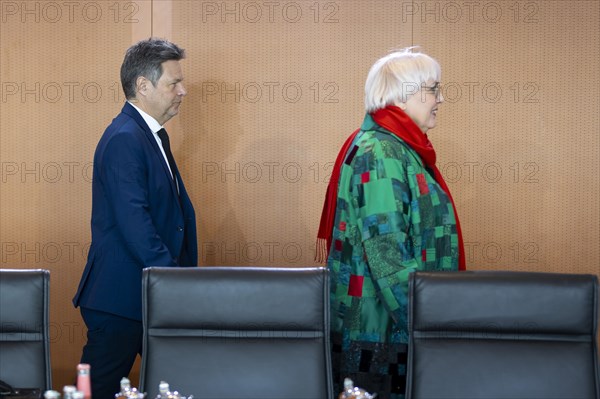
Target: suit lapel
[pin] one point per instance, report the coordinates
(135, 115)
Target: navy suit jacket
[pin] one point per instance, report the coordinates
(138, 218)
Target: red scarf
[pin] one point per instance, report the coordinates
(397, 122)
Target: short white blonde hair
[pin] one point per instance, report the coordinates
(398, 75)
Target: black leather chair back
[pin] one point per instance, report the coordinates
(237, 332)
(24, 338)
(509, 335)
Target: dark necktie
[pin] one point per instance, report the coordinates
(164, 138)
(166, 144)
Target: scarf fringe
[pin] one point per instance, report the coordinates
(322, 251)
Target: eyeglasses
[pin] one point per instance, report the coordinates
(436, 89)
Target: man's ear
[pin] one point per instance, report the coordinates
(141, 85)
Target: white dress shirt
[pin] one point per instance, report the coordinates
(154, 127)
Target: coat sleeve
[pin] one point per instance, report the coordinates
(125, 178)
(382, 192)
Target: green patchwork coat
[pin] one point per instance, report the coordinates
(392, 218)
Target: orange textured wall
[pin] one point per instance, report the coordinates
(273, 90)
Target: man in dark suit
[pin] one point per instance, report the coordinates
(141, 213)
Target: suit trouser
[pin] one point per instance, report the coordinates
(113, 343)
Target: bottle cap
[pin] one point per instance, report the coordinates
(163, 387)
(348, 384)
(51, 394)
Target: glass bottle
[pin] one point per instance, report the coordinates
(68, 391)
(83, 380)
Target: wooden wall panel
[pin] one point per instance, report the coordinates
(60, 87)
(518, 135)
(273, 90)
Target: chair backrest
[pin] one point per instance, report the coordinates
(237, 332)
(24, 338)
(485, 334)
